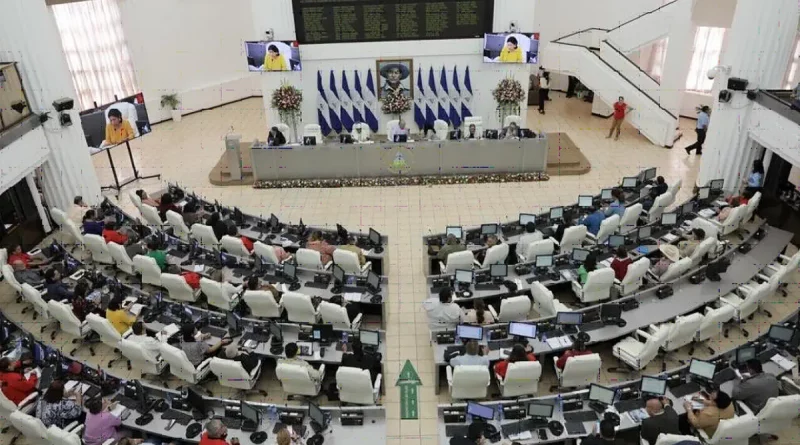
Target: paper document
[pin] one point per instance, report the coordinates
(637, 415)
(559, 342)
(117, 411)
(518, 282)
(783, 362)
(72, 384)
(352, 296)
(136, 309)
(286, 242)
(695, 404)
(525, 435)
(167, 332)
(706, 213)
(606, 263)
(198, 268)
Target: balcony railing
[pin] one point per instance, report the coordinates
(14, 105)
(781, 102)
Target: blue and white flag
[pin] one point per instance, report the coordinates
(419, 102)
(347, 105)
(431, 100)
(322, 107)
(333, 105)
(444, 97)
(358, 101)
(466, 97)
(370, 102)
(455, 101)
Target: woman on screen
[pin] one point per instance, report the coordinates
(511, 52)
(274, 61)
(118, 130)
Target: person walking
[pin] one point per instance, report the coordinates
(701, 129)
(621, 109)
(544, 89)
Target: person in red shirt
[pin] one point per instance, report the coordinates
(216, 434)
(620, 110)
(112, 235)
(518, 353)
(17, 255)
(315, 242)
(579, 348)
(620, 263)
(14, 384)
(234, 232)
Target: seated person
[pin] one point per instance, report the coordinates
(253, 283)
(58, 407)
(718, 407)
(688, 246)
(620, 263)
(120, 318)
(510, 132)
(315, 242)
(28, 260)
(451, 245)
(351, 246)
(756, 388)
(474, 435)
(192, 213)
(218, 225)
(194, 345)
(478, 315)
(724, 213)
(352, 309)
(15, 386)
(78, 209)
(662, 419)
(118, 130)
(399, 130)
(275, 138)
(592, 221)
(81, 306)
(578, 348)
(518, 353)
(744, 198)
(112, 234)
(659, 188)
(617, 206)
(248, 360)
(92, 225)
(473, 355)
(566, 224)
(154, 251)
(589, 265)
(442, 312)
(291, 351)
(166, 205)
(148, 343)
(146, 199)
(359, 135)
(491, 241)
(472, 132)
(25, 275)
(100, 424)
(353, 356)
(233, 231)
(56, 290)
(670, 255)
(604, 435)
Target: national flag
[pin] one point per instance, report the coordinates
(370, 102)
(419, 102)
(358, 100)
(444, 98)
(430, 100)
(347, 105)
(334, 105)
(322, 107)
(466, 97)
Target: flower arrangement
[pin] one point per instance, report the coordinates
(508, 92)
(396, 181)
(287, 99)
(395, 102)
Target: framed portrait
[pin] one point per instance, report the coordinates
(396, 74)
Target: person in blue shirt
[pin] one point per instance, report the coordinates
(91, 225)
(592, 221)
(756, 178)
(616, 207)
(702, 127)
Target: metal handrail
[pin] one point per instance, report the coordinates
(631, 61)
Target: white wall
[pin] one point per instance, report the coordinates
(22, 157)
(714, 13)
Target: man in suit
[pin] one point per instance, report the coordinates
(756, 388)
(452, 245)
(663, 419)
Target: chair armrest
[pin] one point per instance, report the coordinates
(109, 441)
(476, 263)
(653, 329)
(703, 436)
(789, 384)
(204, 364)
(744, 408)
(577, 289)
(127, 333)
(321, 372)
(762, 277)
(442, 267)
(356, 322)
(376, 387)
(327, 265)
(30, 399)
(255, 371)
(728, 302)
(617, 282)
(499, 379)
(591, 237)
(493, 312)
(652, 276)
(73, 427)
(449, 370)
(554, 241)
(642, 334)
(366, 267)
(784, 258)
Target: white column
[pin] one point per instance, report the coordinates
(678, 58)
(28, 35)
(759, 47)
(38, 201)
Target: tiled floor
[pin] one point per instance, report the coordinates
(185, 152)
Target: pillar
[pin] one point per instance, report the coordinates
(38, 202)
(680, 44)
(28, 35)
(759, 46)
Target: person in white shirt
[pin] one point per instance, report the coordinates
(77, 211)
(400, 129)
(472, 356)
(544, 90)
(149, 344)
(442, 312)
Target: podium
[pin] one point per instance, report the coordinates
(233, 155)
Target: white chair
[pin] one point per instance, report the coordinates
(355, 386)
(536, 248)
(712, 230)
(8, 275)
(129, 113)
(234, 246)
(222, 295)
(544, 303)
(262, 304)
(477, 121)
(181, 367)
(97, 246)
(607, 228)
(58, 216)
(69, 323)
(108, 335)
(777, 415)
(597, 287)
(522, 378)
(637, 354)
(660, 204)
(746, 303)
(315, 131)
(512, 118)
(573, 238)
(135, 199)
(712, 325)
(674, 271)
(231, 374)
(266, 253)
(579, 371)
(442, 129)
(70, 435)
(682, 331)
(7, 407)
(299, 308)
(706, 247)
(675, 188)
(365, 132)
(633, 278)
(629, 219)
(311, 259)
(142, 359)
(391, 125)
(296, 380)
(178, 289)
(736, 431)
(148, 268)
(205, 236)
(512, 309)
(672, 439)
(31, 427)
(495, 255)
(34, 297)
(152, 217)
(74, 232)
(468, 381)
(732, 222)
(457, 260)
(528, 239)
(179, 227)
(348, 261)
(284, 129)
(121, 258)
(336, 315)
(752, 206)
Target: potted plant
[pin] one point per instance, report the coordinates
(396, 103)
(508, 95)
(287, 100)
(172, 102)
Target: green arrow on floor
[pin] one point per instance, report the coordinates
(409, 398)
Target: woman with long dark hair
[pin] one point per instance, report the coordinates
(518, 353)
(478, 315)
(57, 409)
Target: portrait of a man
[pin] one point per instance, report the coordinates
(396, 75)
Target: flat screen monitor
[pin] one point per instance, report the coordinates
(579, 255)
(498, 270)
(703, 192)
(290, 271)
(569, 318)
(488, 229)
(317, 415)
(338, 273)
(540, 410)
(585, 201)
(373, 281)
(273, 220)
(511, 48)
(780, 333)
(276, 332)
(669, 219)
(464, 276)
(95, 120)
(273, 55)
(556, 212)
(374, 237)
(702, 369)
(615, 241)
(716, 184)
(687, 208)
(525, 218)
(526, 330)
(469, 332)
(369, 338)
(544, 261)
(601, 394)
(610, 311)
(606, 195)
(250, 412)
(456, 231)
(322, 332)
(630, 182)
(650, 174)
(653, 386)
(644, 232)
(234, 321)
(478, 410)
(195, 400)
(745, 353)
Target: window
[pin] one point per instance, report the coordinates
(97, 55)
(707, 48)
(792, 76)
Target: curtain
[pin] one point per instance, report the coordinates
(97, 54)
(707, 50)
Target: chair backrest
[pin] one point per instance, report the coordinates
(66, 318)
(148, 267)
(675, 270)
(598, 285)
(794, 262)
(347, 260)
(441, 128)
(234, 246)
(365, 132)
(284, 129)
(512, 118)
(459, 260)
(713, 321)
(335, 315)
(651, 347)
(522, 378)
(6, 406)
(495, 255)
(309, 259)
(607, 228)
(683, 331)
(262, 303)
(218, 294)
(73, 231)
(313, 130)
(97, 245)
(734, 219)
(134, 352)
(8, 275)
(355, 386)
(752, 299)
(34, 297)
(735, 431)
(752, 206)
(672, 439)
(702, 249)
(299, 308)
(778, 413)
(121, 258)
(514, 309)
(135, 199)
(629, 218)
(3, 256)
(151, 215)
(179, 227)
(711, 229)
(634, 277)
(178, 288)
(296, 380)
(470, 382)
(58, 216)
(478, 122)
(542, 300)
(104, 329)
(675, 188)
(266, 253)
(391, 125)
(57, 436)
(528, 239)
(581, 370)
(31, 427)
(541, 247)
(179, 364)
(573, 237)
(231, 373)
(205, 236)
(659, 206)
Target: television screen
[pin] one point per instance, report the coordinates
(511, 48)
(273, 56)
(101, 132)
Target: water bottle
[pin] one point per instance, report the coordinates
(345, 337)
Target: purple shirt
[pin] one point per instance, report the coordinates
(100, 427)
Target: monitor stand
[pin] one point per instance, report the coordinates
(276, 347)
(569, 329)
(597, 407)
(295, 285)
